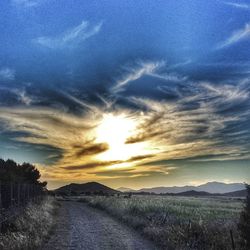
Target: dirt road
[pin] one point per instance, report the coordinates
(81, 227)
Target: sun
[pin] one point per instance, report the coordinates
(115, 130)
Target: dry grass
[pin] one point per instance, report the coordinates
(178, 222)
(30, 229)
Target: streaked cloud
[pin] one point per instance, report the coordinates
(136, 72)
(181, 64)
(238, 5)
(200, 119)
(82, 103)
(69, 133)
(229, 93)
(145, 68)
(7, 74)
(136, 172)
(70, 38)
(237, 36)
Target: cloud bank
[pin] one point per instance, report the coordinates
(200, 122)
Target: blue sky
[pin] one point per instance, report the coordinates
(172, 75)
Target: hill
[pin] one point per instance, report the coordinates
(85, 188)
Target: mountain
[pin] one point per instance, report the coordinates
(240, 193)
(219, 187)
(126, 190)
(89, 187)
(210, 187)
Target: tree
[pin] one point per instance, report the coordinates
(244, 224)
(10, 171)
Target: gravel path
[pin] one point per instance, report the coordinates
(81, 227)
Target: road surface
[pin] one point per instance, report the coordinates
(80, 227)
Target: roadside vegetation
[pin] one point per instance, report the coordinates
(178, 222)
(32, 227)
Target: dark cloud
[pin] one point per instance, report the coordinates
(140, 157)
(90, 149)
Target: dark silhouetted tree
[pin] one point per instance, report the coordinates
(10, 171)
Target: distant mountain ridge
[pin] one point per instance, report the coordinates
(89, 187)
(210, 187)
(192, 193)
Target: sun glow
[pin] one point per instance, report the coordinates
(115, 130)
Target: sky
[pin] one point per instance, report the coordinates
(128, 93)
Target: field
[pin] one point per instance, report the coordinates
(178, 222)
